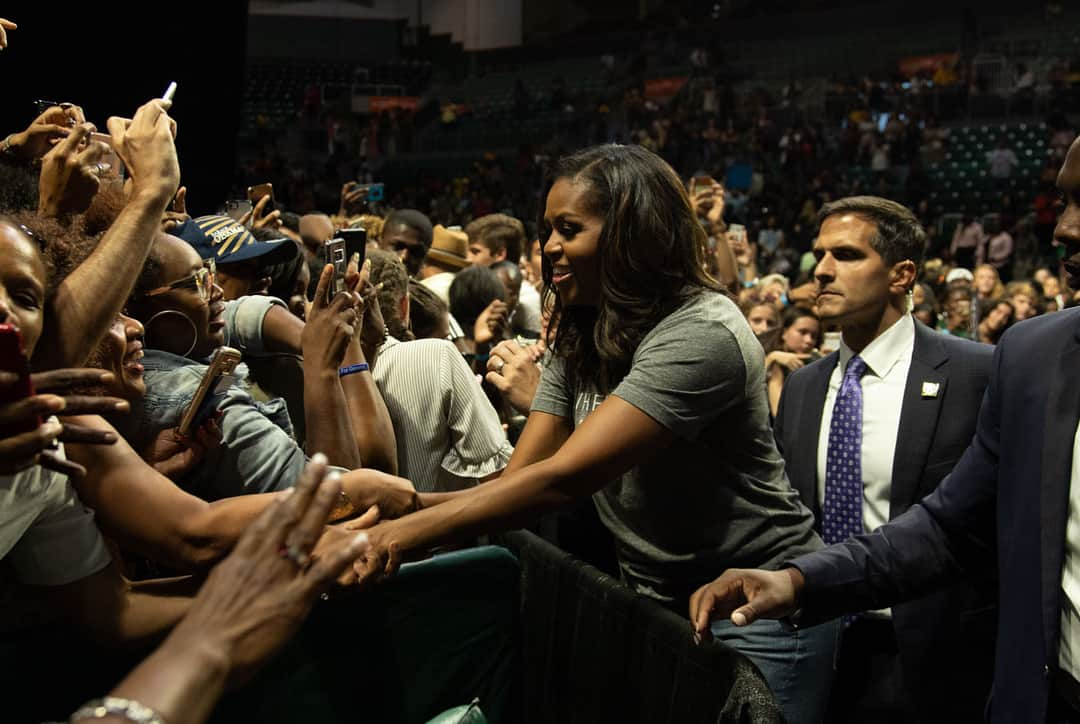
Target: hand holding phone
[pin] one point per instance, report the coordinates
(217, 379)
(355, 244)
(258, 192)
(335, 255)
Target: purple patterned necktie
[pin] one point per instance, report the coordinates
(842, 512)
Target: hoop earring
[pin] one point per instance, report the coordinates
(194, 330)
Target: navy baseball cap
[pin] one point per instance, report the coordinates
(227, 241)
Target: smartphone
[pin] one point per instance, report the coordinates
(831, 341)
(111, 157)
(737, 230)
(334, 254)
(235, 209)
(701, 182)
(256, 193)
(372, 192)
(219, 376)
(355, 243)
(13, 359)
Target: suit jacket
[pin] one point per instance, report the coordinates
(1007, 496)
(945, 639)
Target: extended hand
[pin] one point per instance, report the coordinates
(746, 595)
(393, 496)
(256, 599)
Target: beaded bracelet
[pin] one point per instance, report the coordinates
(114, 705)
(353, 369)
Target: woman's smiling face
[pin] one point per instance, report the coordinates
(572, 245)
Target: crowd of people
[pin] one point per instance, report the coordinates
(213, 427)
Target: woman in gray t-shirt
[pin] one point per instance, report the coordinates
(654, 403)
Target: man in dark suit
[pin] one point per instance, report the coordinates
(919, 394)
(1013, 498)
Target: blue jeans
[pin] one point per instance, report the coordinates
(798, 663)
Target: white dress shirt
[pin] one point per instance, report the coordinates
(888, 359)
(1069, 648)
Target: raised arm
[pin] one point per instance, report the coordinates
(371, 423)
(89, 299)
(147, 513)
(614, 438)
(330, 328)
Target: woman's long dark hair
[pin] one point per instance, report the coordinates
(652, 258)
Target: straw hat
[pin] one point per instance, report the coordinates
(449, 247)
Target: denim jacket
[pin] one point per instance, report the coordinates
(257, 453)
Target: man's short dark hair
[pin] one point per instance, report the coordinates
(899, 235)
(413, 219)
(498, 232)
(426, 310)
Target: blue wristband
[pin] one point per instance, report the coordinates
(352, 369)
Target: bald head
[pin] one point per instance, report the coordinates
(315, 229)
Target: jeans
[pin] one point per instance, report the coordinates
(798, 663)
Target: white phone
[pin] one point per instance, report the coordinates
(831, 342)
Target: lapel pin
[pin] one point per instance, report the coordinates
(930, 389)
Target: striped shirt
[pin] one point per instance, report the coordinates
(448, 434)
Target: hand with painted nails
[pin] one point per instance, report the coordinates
(53, 398)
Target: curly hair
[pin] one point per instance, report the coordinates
(652, 258)
(390, 277)
(63, 245)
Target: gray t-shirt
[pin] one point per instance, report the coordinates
(718, 498)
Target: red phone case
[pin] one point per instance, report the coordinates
(13, 359)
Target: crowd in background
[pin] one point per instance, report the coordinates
(379, 386)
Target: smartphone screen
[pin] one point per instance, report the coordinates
(376, 192)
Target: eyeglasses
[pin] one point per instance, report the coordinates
(202, 281)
